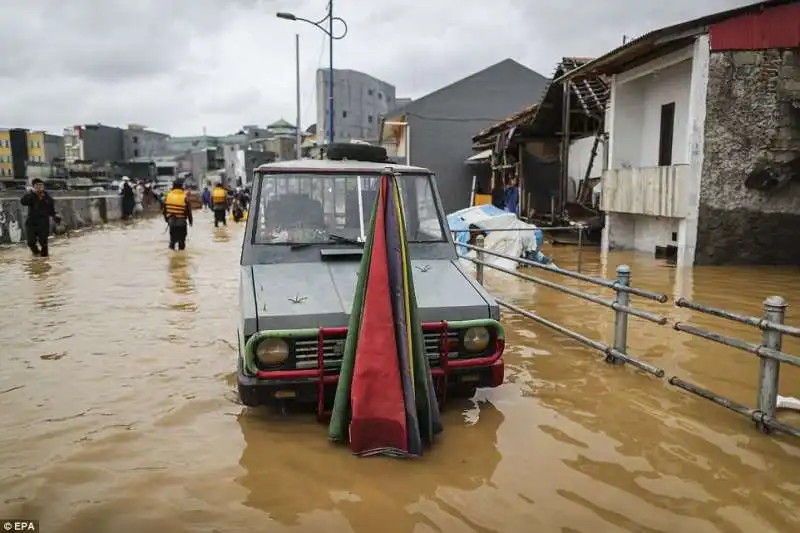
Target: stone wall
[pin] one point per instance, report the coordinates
(76, 210)
(752, 123)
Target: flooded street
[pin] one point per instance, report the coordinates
(119, 412)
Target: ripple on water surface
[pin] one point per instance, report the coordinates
(119, 411)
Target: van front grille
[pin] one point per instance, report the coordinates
(305, 350)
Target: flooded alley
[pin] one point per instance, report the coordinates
(119, 409)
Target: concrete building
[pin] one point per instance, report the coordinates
(436, 131)
(94, 142)
(137, 141)
(359, 102)
(53, 147)
(36, 147)
(704, 139)
(6, 160)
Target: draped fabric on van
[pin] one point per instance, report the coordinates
(385, 401)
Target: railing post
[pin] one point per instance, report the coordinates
(621, 317)
(480, 256)
(769, 369)
(580, 245)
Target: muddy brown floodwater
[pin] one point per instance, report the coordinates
(119, 413)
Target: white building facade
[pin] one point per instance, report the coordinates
(655, 123)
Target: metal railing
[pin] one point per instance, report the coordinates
(772, 324)
(769, 352)
(579, 228)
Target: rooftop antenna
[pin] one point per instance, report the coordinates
(624, 38)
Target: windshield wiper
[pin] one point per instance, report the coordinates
(343, 239)
(332, 237)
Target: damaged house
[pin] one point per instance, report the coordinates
(704, 138)
(555, 147)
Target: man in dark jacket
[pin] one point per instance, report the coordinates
(37, 225)
(128, 198)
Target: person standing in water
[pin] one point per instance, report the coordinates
(128, 198)
(177, 214)
(41, 208)
(219, 202)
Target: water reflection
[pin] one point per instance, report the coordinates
(291, 484)
(221, 234)
(37, 267)
(180, 273)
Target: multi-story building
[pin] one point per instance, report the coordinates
(94, 142)
(36, 146)
(137, 141)
(359, 100)
(6, 160)
(53, 147)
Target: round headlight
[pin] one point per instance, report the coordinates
(271, 352)
(476, 339)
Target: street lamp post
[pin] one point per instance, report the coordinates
(329, 18)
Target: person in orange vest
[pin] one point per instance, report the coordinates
(177, 213)
(219, 203)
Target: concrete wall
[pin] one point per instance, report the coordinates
(102, 143)
(637, 115)
(656, 206)
(144, 143)
(359, 102)
(752, 117)
(77, 210)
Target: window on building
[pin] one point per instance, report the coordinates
(666, 135)
(136, 153)
(380, 96)
(370, 92)
(344, 114)
(135, 139)
(369, 119)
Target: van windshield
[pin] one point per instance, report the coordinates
(336, 208)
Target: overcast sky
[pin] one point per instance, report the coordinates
(179, 65)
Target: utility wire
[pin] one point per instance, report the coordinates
(456, 119)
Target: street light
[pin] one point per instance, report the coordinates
(330, 19)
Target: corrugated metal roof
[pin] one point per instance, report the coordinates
(774, 28)
(659, 37)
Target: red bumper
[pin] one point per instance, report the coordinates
(484, 371)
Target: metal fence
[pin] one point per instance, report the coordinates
(772, 325)
(579, 229)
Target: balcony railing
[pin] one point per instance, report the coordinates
(652, 191)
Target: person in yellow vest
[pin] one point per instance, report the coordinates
(177, 213)
(219, 203)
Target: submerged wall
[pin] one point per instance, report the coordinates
(77, 210)
(752, 125)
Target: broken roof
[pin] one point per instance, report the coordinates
(591, 93)
(520, 117)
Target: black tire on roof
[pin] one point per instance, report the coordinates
(357, 152)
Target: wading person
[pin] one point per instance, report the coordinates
(219, 202)
(178, 215)
(128, 198)
(41, 209)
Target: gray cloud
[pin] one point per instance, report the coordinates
(180, 65)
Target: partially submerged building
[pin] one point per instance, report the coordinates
(556, 147)
(704, 138)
